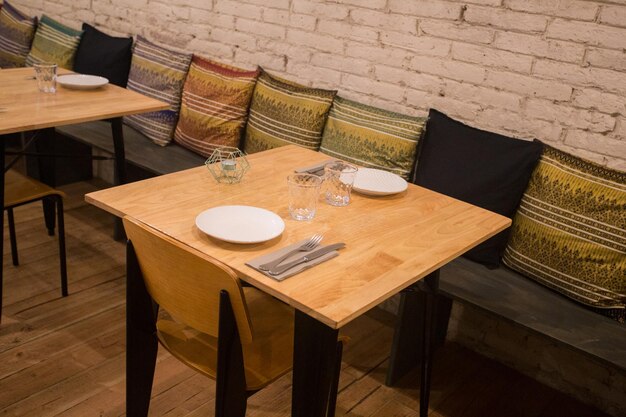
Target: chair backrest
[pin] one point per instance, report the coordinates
(186, 282)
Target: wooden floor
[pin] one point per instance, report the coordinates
(65, 356)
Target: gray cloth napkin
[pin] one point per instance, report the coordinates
(254, 263)
(317, 169)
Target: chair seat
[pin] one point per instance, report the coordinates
(20, 189)
(267, 358)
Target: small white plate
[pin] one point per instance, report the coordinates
(81, 81)
(378, 182)
(240, 224)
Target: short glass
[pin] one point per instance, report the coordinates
(338, 180)
(46, 75)
(304, 191)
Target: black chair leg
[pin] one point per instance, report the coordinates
(334, 389)
(62, 256)
(12, 237)
(141, 339)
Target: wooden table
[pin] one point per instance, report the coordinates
(23, 108)
(392, 242)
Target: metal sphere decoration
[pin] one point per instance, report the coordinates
(227, 164)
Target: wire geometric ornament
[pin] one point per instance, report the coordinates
(227, 164)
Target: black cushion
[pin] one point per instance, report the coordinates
(104, 55)
(479, 167)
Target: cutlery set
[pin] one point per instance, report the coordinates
(276, 267)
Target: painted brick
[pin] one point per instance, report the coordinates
(205, 18)
(275, 4)
(378, 19)
(589, 33)
(581, 119)
(388, 91)
(517, 125)
(490, 57)
(573, 9)
(310, 72)
(606, 58)
(535, 45)
(267, 30)
(321, 10)
(485, 97)
(505, 19)
(385, 53)
(613, 15)
(316, 41)
(290, 51)
(236, 8)
(347, 30)
(456, 30)
(425, 8)
(343, 64)
(595, 142)
(454, 108)
(231, 37)
(271, 62)
(611, 81)
(589, 98)
(455, 70)
(369, 4)
(620, 129)
(529, 86)
(423, 45)
(196, 4)
(411, 79)
(215, 50)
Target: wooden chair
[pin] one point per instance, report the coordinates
(20, 190)
(239, 336)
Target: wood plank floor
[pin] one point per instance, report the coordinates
(65, 356)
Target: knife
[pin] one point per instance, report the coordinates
(306, 258)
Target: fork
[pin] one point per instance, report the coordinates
(305, 247)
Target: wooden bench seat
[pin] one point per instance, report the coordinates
(139, 150)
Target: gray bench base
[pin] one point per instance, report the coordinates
(514, 298)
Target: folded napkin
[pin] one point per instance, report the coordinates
(269, 257)
(317, 169)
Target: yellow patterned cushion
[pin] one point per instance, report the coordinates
(569, 232)
(372, 137)
(285, 113)
(54, 43)
(215, 106)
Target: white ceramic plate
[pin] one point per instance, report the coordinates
(378, 182)
(81, 81)
(240, 224)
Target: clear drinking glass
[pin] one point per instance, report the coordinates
(46, 75)
(338, 180)
(304, 191)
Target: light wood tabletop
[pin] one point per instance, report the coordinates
(24, 108)
(392, 241)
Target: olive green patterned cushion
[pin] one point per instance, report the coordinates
(372, 137)
(569, 232)
(16, 34)
(54, 43)
(285, 113)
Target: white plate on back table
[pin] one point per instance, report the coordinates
(240, 224)
(371, 181)
(81, 81)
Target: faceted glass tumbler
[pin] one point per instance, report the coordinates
(304, 190)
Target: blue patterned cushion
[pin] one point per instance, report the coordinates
(159, 73)
(54, 43)
(16, 34)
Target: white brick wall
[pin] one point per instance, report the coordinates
(556, 69)
(550, 69)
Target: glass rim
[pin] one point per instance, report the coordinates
(44, 65)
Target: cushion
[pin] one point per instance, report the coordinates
(54, 43)
(482, 168)
(285, 113)
(104, 55)
(16, 35)
(159, 73)
(570, 231)
(372, 137)
(214, 107)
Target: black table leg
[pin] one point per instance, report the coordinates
(45, 145)
(120, 168)
(2, 150)
(430, 286)
(315, 354)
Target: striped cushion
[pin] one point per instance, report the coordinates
(285, 113)
(569, 232)
(372, 137)
(215, 106)
(16, 34)
(54, 43)
(159, 73)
